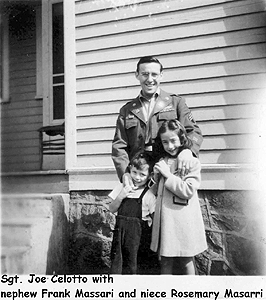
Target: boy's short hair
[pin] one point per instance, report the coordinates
(149, 59)
(142, 158)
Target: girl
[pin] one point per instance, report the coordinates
(178, 231)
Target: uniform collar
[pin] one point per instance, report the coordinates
(156, 94)
(136, 109)
(164, 99)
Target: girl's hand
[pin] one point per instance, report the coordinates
(155, 175)
(185, 162)
(162, 168)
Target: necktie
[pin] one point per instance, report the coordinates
(149, 110)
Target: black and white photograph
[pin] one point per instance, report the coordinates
(133, 137)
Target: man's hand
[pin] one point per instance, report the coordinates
(127, 181)
(162, 168)
(185, 161)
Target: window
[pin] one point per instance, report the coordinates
(53, 62)
(58, 61)
(4, 60)
(51, 51)
(39, 69)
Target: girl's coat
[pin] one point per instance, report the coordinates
(178, 228)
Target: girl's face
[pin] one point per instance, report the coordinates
(139, 176)
(171, 142)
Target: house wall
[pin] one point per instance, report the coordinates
(213, 54)
(34, 221)
(21, 117)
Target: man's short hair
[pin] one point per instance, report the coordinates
(149, 59)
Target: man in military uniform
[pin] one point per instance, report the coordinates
(139, 120)
(136, 129)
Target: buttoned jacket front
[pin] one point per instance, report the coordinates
(178, 228)
(131, 125)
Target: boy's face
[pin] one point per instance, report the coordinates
(139, 176)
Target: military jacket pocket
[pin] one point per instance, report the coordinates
(130, 123)
(167, 115)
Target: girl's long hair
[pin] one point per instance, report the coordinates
(172, 125)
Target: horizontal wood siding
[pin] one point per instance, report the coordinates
(213, 53)
(22, 116)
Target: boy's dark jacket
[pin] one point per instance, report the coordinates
(131, 127)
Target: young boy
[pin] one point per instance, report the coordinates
(134, 209)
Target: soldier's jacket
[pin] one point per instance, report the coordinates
(131, 127)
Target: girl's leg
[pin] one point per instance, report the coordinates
(187, 265)
(177, 269)
(167, 265)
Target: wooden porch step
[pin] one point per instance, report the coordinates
(34, 233)
(14, 259)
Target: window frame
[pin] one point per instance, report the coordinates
(47, 63)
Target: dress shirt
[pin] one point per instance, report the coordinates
(148, 106)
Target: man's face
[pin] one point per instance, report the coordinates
(149, 76)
